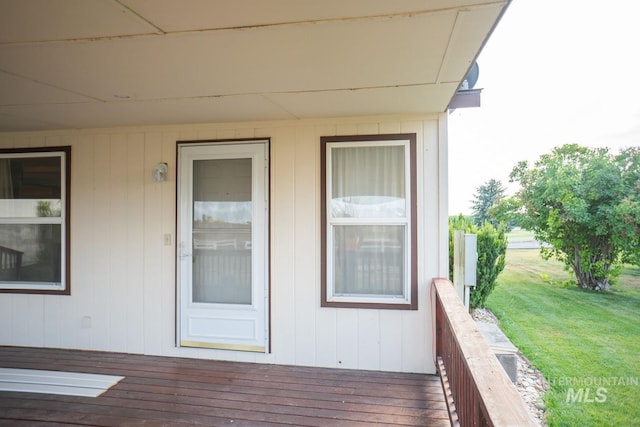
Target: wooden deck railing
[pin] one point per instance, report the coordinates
(477, 388)
(10, 263)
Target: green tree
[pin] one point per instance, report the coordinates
(492, 248)
(503, 212)
(584, 202)
(487, 196)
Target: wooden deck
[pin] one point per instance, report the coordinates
(175, 391)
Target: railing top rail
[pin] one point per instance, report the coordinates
(9, 250)
(498, 394)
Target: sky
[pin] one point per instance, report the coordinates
(553, 72)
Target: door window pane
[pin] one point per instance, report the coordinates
(222, 234)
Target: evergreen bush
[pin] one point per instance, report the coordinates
(492, 248)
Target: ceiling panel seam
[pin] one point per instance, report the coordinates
(162, 33)
(140, 16)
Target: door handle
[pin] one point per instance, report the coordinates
(183, 253)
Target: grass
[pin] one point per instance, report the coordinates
(578, 339)
(520, 235)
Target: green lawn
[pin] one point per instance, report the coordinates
(586, 344)
(520, 235)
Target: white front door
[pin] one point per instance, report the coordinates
(222, 254)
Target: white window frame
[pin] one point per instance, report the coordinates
(330, 298)
(63, 286)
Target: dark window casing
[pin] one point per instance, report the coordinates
(412, 304)
(37, 178)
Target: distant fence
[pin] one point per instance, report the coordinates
(222, 276)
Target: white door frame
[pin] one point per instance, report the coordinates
(224, 326)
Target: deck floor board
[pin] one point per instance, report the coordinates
(176, 391)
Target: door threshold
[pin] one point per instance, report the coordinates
(221, 346)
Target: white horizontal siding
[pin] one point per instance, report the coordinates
(123, 275)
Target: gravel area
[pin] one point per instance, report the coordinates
(531, 384)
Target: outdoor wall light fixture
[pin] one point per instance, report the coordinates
(160, 172)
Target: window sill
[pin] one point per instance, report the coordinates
(370, 305)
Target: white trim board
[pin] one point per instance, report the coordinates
(56, 382)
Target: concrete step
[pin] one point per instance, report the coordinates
(505, 351)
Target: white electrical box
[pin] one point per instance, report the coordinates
(470, 259)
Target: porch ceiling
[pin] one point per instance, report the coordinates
(67, 64)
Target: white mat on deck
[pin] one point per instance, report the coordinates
(56, 382)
